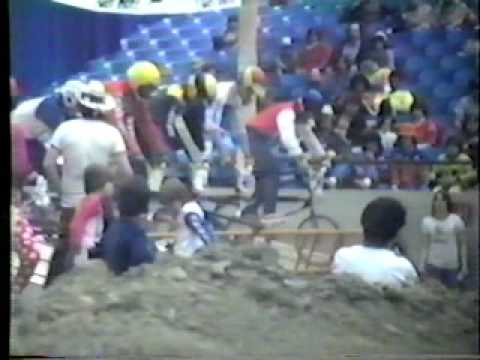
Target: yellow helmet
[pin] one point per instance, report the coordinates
(143, 73)
(175, 91)
(204, 85)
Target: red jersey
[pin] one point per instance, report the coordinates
(266, 121)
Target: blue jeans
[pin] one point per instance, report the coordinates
(447, 277)
(266, 172)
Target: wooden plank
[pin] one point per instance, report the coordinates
(270, 232)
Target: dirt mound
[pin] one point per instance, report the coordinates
(237, 300)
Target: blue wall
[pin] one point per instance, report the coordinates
(50, 42)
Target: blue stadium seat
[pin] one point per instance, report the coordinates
(205, 55)
(149, 53)
(435, 50)
(415, 64)
(450, 63)
(176, 55)
(422, 39)
(134, 42)
(189, 31)
(445, 92)
(464, 76)
(178, 20)
(429, 77)
(200, 44)
(457, 38)
(96, 65)
(100, 75)
(119, 66)
(162, 33)
(166, 43)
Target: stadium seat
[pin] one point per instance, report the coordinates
(457, 38)
(422, 39)
(149, 53)
(200, 44)
(450, 63)
(176, 55)
(166, 43)
(435, 50)
(429, 77)
(134, 42)
(119, 67)
(178, 20)
(463, 77)
(445, 92)
(415, 64)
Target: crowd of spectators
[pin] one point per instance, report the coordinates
(372, 99)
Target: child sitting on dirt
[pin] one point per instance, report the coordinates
(194, 231)
(125, 243)
(93, 213)
(374, 261)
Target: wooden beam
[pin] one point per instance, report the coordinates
(270, 232)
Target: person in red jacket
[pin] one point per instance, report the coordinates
(279, 122)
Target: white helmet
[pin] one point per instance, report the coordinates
(71, 92)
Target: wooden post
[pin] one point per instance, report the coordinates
(247, 37)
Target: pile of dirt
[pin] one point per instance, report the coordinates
(237, 300)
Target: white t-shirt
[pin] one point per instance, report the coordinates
(24, 115)
(83, 143)
(187, 241)
(443, 252)
(374, 266)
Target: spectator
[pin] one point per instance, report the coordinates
(374, 261)
(230, 38)
(385, 129)
(379, 51)
(82, 142)
(125, 243)
(467, 106)
(325, 133)
(421, 17)
(194, 231)
(444, 256)
(427, 132)
(455, 14)
(94, 213)
(470, 138)
(353, 44)
(363, 175)
(454, 177)
(411, 176)
(318, 55)
(367, 12)
(287, 57)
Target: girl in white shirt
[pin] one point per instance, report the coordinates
(445, 254)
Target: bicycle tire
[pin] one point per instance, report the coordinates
(321, 222)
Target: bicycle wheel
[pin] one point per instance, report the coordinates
(317, 248)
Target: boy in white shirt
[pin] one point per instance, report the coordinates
(374, 261)
(193, 230)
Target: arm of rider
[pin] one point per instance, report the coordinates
(51, 169)
(288, 137)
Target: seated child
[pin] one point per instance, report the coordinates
(194, 231)
(375, 261)
(125, 243)
(454, 177)
(91, 217)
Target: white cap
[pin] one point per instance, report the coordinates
(95, 97)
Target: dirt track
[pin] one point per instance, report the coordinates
(237, 301)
